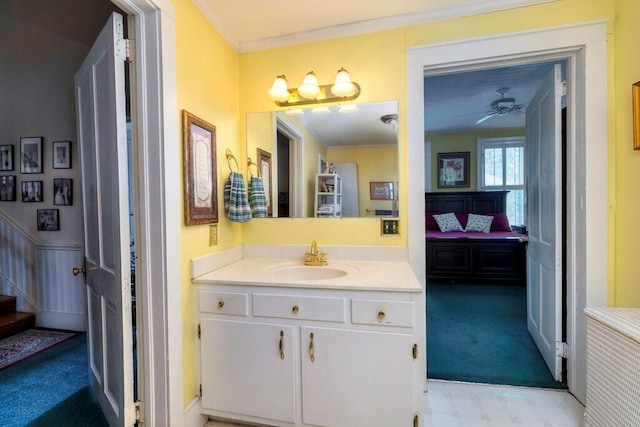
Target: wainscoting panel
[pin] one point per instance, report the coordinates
(40, 276)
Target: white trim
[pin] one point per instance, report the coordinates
(361, 27)
(587, 252)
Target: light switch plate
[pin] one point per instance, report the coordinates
(389, 226)
(213, 235)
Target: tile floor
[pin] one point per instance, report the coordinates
(453, 404)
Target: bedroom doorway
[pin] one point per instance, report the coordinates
(507, 354)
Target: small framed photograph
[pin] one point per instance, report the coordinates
(6, 157)
(453, 169)
(31, 155)
(61, 154)
(381, 191)
(32, 191)
(8, 188)
(63, 191)
(48, 220)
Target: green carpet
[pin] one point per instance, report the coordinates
(478, 333)
(50, 389)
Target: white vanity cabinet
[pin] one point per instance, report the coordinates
(305, 356)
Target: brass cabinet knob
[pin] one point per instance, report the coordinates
(381, 315)
(220, 304)
(295, 309)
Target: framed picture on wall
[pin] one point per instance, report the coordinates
(62, 191)
(32, 191)
(31, 155)
(61, 155)
(48, 219)
(6, 157)
(453, 170)
(8, 188)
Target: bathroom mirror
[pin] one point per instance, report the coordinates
(360, 144)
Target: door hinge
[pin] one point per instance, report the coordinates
(200, 391)
(136, 413)
(130, 46)
(415, 421)
(199, 331)
(562, 349)
(564, 88)
(414, 351)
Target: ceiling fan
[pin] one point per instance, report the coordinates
(502, 106)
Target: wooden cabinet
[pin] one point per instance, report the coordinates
(310, 357)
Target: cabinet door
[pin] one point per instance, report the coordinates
(356, 378)
(244, 371)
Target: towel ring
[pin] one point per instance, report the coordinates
(230, 156)
(250, 163)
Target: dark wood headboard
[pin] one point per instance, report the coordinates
(466, 201)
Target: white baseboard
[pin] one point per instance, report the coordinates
(57, 320)
(192, 414)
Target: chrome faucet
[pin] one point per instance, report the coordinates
(314, 257)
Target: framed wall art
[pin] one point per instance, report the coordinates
(8, 188)
(635, 94)
(6, 157)
(453, 170)
(63, 191)
(264, 164)
(48, 219)
(32, 191)
(200, 171)
(381, 191)
(31, 155)
(61, 154)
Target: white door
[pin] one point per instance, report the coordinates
(101, 117)
(544, 210)
(349, 174)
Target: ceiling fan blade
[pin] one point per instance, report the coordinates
(485, 118)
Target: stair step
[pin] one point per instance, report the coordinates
(7, 304)
(13, 323)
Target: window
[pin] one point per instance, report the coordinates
(501, 166)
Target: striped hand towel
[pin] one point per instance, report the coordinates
(236, 204)
(257, 198)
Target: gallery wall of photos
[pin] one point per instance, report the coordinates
(20, 166)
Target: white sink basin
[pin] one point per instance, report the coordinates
(307, 272)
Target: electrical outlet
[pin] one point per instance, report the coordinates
(389, 226)
(213, 235)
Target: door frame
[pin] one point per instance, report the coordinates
(587, 159)
(157, 136)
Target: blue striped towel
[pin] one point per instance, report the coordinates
(236, 204)
(257, 198)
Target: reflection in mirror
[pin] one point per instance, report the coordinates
(359, 145)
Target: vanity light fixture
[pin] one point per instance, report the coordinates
(309, 92)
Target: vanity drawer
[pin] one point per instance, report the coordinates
(224, 303)
(298, 307)
(387, 313)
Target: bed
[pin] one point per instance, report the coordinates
(498, 255)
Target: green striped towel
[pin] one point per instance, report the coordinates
(257, 198)
(236, 204)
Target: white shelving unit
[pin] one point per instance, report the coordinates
(328, 199)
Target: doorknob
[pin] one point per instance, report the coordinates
(83, 269)
(78, 270)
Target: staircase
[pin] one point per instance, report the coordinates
(12, 321)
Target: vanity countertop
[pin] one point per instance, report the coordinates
(389, 276)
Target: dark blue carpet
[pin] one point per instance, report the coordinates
(478, 333)
(50, 389)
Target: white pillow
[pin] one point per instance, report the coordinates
(448, 222)
(481, 223)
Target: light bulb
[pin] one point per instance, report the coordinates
(343, 86)
(309, 88)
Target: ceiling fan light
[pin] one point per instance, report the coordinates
(279, 91)
(309, 88)
(343, 86)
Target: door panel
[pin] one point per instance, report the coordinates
(101, 118)
(544, 211)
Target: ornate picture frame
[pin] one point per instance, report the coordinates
(635, 94)
(453, 170)
(200, 171)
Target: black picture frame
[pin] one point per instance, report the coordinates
(48, 219)
(6, 157)
(31, 154)
(7, 188)
(32, 191)
(453, 170)
(61, 154)
(63, 192)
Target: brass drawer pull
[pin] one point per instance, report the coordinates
(312, 355)
(282, 345)
(381, 315)
(295, 309)
(220, 304)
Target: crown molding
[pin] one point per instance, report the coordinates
(361, 27)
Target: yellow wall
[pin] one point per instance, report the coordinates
(221, 87)
(208, 80)
(462, 142)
